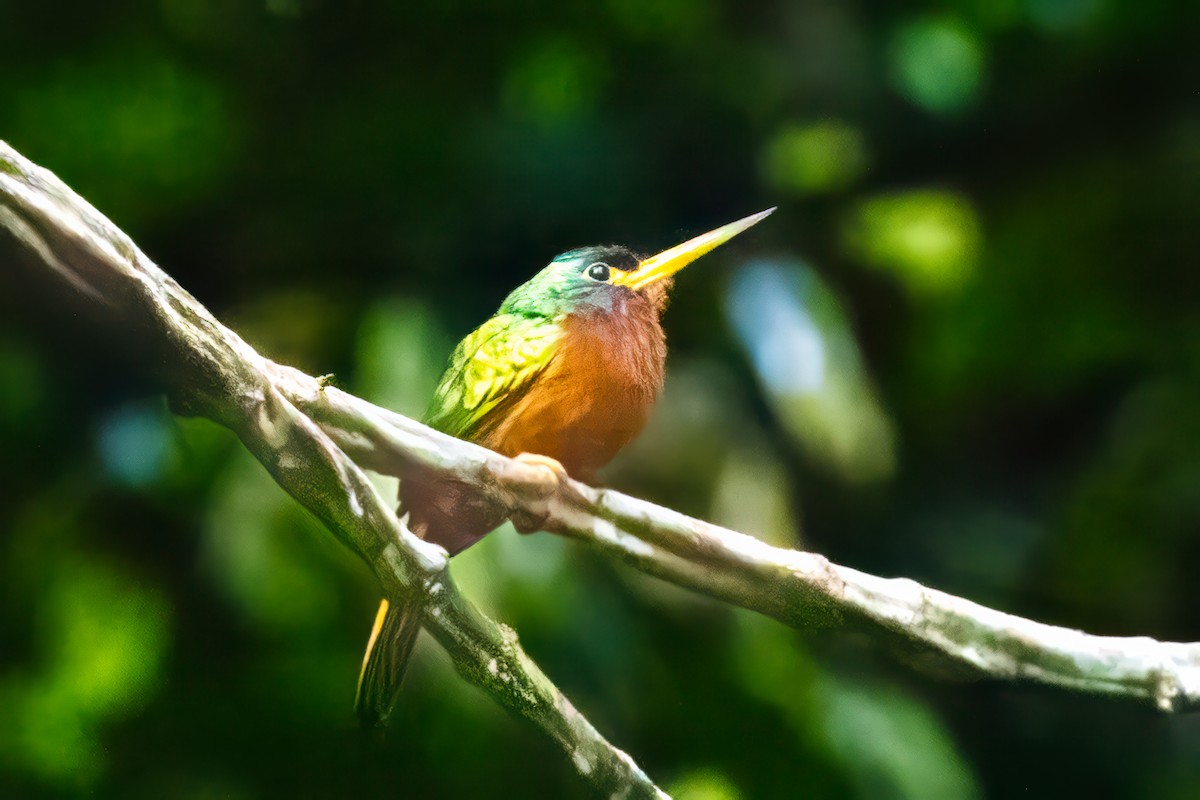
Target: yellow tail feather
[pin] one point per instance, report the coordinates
(388, 649)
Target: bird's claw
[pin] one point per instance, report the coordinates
(526, 521)
(538, 460)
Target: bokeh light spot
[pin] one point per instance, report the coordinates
(109, 634)
(786, 345)
(805, 355)
(104, 637)
(821, 157)
(135, 443)
(704, 784)
(929, 239)
(938, 64)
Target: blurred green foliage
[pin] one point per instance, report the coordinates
(930, 239)
(937, 64)
(964, 350)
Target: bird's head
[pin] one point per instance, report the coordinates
(609, 278)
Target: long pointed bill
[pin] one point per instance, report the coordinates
(668, 262)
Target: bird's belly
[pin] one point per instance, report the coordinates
(581, 425)
(579, 420)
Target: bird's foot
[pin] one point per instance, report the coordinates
(538, 460)
(527, 520)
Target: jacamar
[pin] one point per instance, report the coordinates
(566, 371)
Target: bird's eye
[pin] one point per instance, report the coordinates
(598, 271)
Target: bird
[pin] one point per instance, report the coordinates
(564, 374)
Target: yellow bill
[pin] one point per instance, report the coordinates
(668, 262)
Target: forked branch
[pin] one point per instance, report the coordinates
(208, 370)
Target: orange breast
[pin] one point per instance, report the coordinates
(592, 399)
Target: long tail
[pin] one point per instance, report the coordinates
(383, 666)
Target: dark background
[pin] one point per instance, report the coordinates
(965, 350)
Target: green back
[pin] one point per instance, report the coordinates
(493, 364)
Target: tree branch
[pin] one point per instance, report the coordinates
(210, 371)
(800, 589)
(315, 440)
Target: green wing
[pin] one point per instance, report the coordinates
(494, 363)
